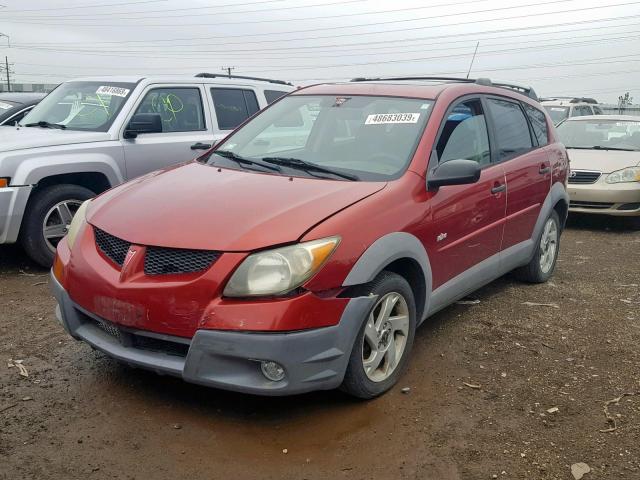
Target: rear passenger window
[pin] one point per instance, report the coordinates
(539, 124)
(511, 128)
(464, 135)
(180, 108)
(273, 95)
(233, 106)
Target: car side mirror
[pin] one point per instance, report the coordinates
(453, 172)
(143, 123)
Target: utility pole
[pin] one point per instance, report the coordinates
(6, 59)
(228, 69)
(6, 66)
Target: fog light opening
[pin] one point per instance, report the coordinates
(272, 370)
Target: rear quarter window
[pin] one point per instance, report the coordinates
(273, 95)
(538, 122)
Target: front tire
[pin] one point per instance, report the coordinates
(47, 219)
(382, 347)
(541, 267)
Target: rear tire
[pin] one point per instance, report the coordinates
(383, 344)
(53, 206)
(542, 265)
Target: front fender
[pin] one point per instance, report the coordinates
(32, 166)
(385, 250)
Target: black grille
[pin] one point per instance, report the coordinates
(163, 261)
(134, 340)
(109, 328)
(580, 176)
(160, 346)
(594, 205)
(113, 247)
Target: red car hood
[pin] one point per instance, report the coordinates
(201, 207)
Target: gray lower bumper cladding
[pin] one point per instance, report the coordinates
(312, 359)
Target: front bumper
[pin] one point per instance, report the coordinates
(13, 201)
(313, 359)
(618, 199)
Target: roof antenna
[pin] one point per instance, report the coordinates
(473, 58)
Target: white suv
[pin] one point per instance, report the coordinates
(91, 134)
(561, 108)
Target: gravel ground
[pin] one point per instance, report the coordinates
(483, 378)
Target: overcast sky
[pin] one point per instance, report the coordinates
(560, 47)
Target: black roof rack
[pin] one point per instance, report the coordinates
(242, 77)
(572, 99)
(528, 91)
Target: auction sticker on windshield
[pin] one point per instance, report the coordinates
(5, 106)
(113, 91)
(387, 118)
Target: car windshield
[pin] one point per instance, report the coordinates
(90, 106)
(355, 137)
(557, 114)
(601, 134)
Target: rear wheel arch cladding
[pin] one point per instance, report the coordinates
(556, 198)
(384, 252)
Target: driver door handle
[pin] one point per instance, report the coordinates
(544, 170)
(201, 146)
(497, 188)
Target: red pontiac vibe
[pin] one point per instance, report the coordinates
(304, 250)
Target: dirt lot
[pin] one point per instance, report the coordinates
(80, 415)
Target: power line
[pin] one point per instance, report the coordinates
(199, 14)
(182, 55)
(205, 54)
(90, 6)
(586, 61)
(244, 42)
(432, 17)
(438, 57)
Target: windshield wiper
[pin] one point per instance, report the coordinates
(599, 147)
(307, 166)
(44, 124)
(245, 161)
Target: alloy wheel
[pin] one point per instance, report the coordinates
(57, 221)
(385, 336)
(548, 245)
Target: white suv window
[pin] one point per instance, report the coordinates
(180, 108)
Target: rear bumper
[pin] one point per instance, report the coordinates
(312, 359)
(13, 201)
(619, 199)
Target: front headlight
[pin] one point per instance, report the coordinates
(278, 271)
(631, 174)
(79, 219)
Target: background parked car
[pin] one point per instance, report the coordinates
(605, 165)
(560, 108)
(15, 105)
(91, 134)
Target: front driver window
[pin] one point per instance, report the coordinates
(464, 135)
(180, 108)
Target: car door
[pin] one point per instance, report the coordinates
(526, 165)
(467, 220)
(231, 107)
(185, 131)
